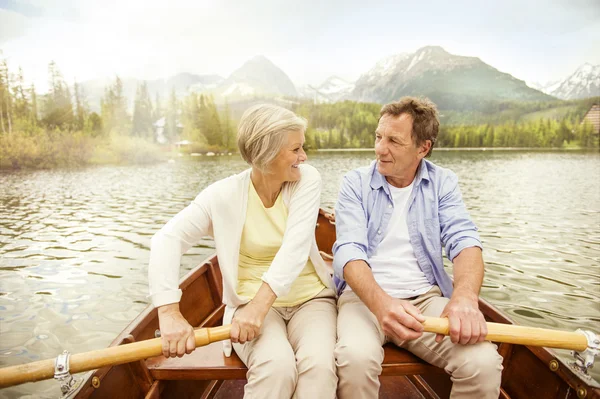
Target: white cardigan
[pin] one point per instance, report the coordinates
(220, 211)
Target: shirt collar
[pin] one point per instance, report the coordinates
(378, 180)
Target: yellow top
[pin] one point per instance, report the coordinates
(261, 238)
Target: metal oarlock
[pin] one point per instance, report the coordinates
(68, 384)
(584, 360)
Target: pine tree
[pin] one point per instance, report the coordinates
(6, 98)
(142, 113)
(158, 112)
(58, 108)
(114, 108)
(21, 104)
(3, 88)
(226, 129)
(80, 108)
(33, 116)
(172, 122)
(212, 124)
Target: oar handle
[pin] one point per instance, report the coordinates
(519, 335)
(111, 356)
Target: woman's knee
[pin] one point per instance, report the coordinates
(277, 365)
(319, 364)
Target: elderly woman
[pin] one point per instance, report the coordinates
(276, 288)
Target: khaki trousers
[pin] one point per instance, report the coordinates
(293, 356)
(475, 369)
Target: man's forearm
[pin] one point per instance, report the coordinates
(468, 272)
(360, 278)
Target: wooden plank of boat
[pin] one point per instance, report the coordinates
(207, 373)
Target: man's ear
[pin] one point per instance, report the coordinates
(424, 148)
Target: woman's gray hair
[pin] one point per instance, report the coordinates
(262, 133)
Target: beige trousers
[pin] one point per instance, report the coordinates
(293, 356)
(475, 369)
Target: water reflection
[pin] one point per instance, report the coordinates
(74, 243)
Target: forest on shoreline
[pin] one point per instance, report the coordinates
(59, 129)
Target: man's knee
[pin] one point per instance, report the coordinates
(359, 357)
(358, 370)
(482, 362)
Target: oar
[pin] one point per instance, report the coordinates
(511, 334)
(116, 355)
(112, 356)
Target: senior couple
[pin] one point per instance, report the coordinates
(301, 333)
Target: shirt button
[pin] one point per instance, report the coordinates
(390, 205)
(378, 231)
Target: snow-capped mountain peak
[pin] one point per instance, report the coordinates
(332, 89)
(335, 85)
(386, 66)
(583, 83)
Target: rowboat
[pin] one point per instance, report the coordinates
(529, 371)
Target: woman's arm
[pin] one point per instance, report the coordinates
(167, 247)
(299, 234)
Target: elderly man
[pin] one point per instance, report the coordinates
(392, 219)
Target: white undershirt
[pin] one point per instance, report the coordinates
(394, 264)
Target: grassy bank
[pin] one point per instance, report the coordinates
(52, 149)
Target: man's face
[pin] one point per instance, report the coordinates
(398, 157)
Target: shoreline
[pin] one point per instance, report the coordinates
(468, 149)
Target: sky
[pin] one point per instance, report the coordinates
(310, 40)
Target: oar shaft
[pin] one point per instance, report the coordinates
(112, 356)
(519, 335)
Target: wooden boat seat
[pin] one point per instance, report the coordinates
(209, 363)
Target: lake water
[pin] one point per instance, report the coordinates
(74, 244)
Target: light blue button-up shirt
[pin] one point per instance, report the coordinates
(436, 216)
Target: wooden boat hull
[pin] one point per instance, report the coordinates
(529, 372)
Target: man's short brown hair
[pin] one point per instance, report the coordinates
(424, 116)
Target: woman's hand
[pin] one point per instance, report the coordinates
(248, 320)
(176, 333)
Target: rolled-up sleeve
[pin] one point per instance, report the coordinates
(457, 228)
(170, 243)
(350, 225)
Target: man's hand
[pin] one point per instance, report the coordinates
(466, 322)
(247, 322)
(399, 319)
(177, 335)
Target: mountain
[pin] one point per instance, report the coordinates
(451, 81)
(186, 82)
(583, 83)
(545, 87)
(257, 77)
(333, 89)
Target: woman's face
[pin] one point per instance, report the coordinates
(285, 166)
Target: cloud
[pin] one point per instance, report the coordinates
(309, 41)
(12, 25)
(23, 8)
